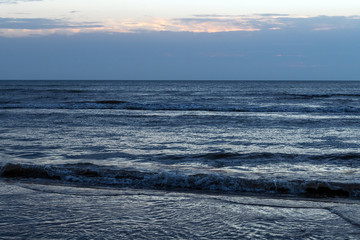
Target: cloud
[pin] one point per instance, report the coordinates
(215, 24)
(321, 23)
(217, 15)
(257, 22)
(41, 23)
(17, 1)
(17, 27)
(210, 23)
(272, 15)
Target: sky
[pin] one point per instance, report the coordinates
(179, 40)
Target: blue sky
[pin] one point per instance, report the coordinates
(158, 39)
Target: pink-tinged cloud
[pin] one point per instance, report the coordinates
(197, 24)
(179, 25)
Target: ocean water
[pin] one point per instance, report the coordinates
(194, 140)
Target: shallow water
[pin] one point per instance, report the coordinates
(35, 211)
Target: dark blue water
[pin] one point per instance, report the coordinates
(227, 136)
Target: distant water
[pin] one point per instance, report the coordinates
(297, 138)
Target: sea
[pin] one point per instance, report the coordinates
(180, 159)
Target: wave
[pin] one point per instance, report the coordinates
(94, 175)
(312, 96)
(228, 158)
(341, 157)
(124, 105)
(224, 159)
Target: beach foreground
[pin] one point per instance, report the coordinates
(38, 211)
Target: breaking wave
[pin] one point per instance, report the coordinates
(94, 175)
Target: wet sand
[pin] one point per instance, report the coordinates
(38, 211)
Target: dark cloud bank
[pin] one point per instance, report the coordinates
(41, 23)
(17, 1)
